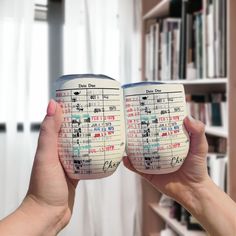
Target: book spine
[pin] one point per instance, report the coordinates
(182, 61)
(204, 54)
(156, 54)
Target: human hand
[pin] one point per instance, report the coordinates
(192, 174)
(51, 193)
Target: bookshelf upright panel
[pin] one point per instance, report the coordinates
(232, 98)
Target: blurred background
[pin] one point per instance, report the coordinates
(41, 40)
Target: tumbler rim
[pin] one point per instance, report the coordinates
(81, 76)
(141, 83)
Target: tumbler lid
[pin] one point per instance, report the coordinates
(81, 76)
(141, 83)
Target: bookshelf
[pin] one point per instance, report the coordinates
(173, 223)
(216, 131)
(222, 81)
(158, 10)
(202, 85)
(220, 84)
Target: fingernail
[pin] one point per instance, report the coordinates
(51, 108)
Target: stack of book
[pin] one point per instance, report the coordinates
(217, 144)
(188, 44)
(162, 50)
(211, 109)
(217, 168)
(215, 31)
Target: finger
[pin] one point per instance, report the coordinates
(128, 164)
(198, 141)
(50, 127)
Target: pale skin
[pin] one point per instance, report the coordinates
(47, 207)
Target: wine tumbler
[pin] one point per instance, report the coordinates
(157, 142)
(92, 136)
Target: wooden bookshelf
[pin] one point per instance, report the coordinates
(158, 10)
(173, 223)
(202, 85)
(222, 81)
(217, 131)
(231, 97)
(205, 85)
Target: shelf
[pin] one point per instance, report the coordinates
(173, 223)
(201, 85)
(198, 81)
(160, 10)
(216, 131)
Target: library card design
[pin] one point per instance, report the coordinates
(92, 137)
(157, 141)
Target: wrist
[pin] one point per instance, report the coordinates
(197, 195)
(212, 207)
(44, 219)
(35, 219)
(189, 194)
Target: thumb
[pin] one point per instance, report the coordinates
(198, 141)
(49, 129)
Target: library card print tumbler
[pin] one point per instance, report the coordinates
(92, 137)
(157, 142)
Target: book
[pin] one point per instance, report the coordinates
(196, 48)
(187, 48)
(175, 8)
(199, 45)
(182, 63)
(170, 45)
(147, 57)
(217, 169)
(216, 144)
(211, 109)
(210, 40)
(150, 45)
(216, 35)
(163, 50)
(216, 109)
(101, 119)
(156, 52)
(223, 38)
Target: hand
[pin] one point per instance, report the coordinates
(51, 191)
(193, 172)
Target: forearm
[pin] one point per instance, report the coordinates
(32, 220)
(213, 208)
